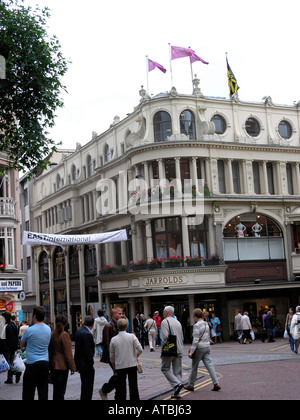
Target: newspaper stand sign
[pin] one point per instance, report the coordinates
(11, 285)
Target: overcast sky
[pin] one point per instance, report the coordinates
(107, 43)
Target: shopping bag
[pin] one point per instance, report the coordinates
(286, 334)
(4, 366)
(18, 364)
(252, 335)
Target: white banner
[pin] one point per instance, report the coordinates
(32, 238)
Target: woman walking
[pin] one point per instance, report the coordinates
(200, 350)
(61, 358)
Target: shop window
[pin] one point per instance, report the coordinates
(198, 238)
(90, 259)
(43, 268)
(59, 264)
(162, 126)
(187, 124)
(73, 261)
(253, 237)
(167, 237)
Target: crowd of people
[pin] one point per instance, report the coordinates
(49, 354)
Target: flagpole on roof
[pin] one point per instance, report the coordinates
(192, 71)
(170, 54)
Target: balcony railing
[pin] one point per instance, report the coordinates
(7, 207)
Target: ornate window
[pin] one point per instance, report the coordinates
(252, 127)
(43, 268)
(253, 237)
(162, 126)
(285, 130)
(167, 237)
(59, 264)
(220, 124)
(187, 124)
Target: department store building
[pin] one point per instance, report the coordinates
(246, 153)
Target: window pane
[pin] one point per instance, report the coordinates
(220, 124)
(252, 127)
(187, 124)
(285, 130)
(162, 126)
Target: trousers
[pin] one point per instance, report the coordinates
(204, 355)
(174, 376)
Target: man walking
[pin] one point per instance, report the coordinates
(84, 358)
(12, 345)
(171, 326)
(36, 339)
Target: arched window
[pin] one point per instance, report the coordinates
(187, 124)
(73, 261)
(43, 268)
(89, 165)
(162, 126)
(90, 259)
(253, 237)
(107, 154)
(59, 264)
(74, 173)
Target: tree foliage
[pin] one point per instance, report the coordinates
(30, 93)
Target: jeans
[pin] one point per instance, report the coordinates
(174, 376)
(36, 377)
(204, 355)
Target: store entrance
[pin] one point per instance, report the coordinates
(181, 307)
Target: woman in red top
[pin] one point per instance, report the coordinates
(158, 320)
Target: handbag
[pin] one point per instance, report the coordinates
(219, 328)
(139, 364)
(170, 348)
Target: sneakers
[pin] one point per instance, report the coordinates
(103, 395)
(216, 387)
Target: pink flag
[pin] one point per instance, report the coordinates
(194, 57)
(152, 65)
(179, 52)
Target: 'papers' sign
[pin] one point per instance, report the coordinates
(11, 285)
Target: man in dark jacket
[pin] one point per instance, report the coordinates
(84, 358)
(109, 331)
(12, 345)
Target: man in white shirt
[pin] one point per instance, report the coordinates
(169, 326)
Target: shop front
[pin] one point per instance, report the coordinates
(11, 285)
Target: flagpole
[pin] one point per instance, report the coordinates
(191, 70)
(171, 65)
(147, 73)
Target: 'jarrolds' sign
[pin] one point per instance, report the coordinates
(11, 285)
(32, 238)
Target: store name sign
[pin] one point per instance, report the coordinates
(11, 285)
(163, 281)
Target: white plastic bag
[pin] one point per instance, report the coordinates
(4, 366)
(286, 334)
(252, 335)
(18, 365)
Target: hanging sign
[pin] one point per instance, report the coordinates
(32, 238)
(11, 285)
